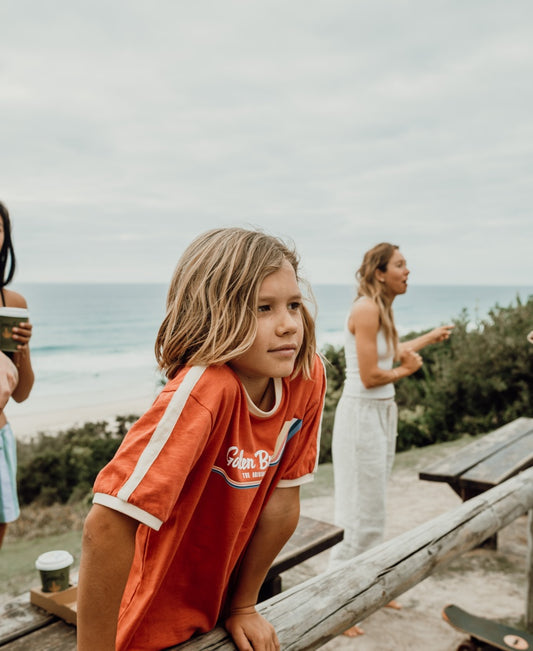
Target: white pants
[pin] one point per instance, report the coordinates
(363, 447)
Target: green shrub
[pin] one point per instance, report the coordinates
(335, 364)
(475, 382)
(54, 468)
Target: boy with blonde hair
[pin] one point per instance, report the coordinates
(204, 491)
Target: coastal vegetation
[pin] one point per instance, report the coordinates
(61, 468)
(478, 380)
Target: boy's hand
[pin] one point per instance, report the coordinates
(251, 631)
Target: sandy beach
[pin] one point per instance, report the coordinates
(31, 417)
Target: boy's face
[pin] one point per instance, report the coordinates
(279, 333)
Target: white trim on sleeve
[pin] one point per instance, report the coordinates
(126, 508)
(299, 481)
(162, 432)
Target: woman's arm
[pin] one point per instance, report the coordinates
(433, 337)
(26, 376)
(22, 335)
(275, 526)
(107, 555)
(363, 322)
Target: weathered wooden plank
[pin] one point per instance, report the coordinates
(55, 637)
(450, 468)
(19, 617)
(308, 615)
(311, 537)
(502, 465)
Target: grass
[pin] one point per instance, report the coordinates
(17, 559)
(39, 529)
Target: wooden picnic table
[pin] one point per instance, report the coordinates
(24, 626)
(487, 462)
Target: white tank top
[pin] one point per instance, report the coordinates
(353, 385)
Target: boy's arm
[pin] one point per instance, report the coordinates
(107, 555)
(275, 526)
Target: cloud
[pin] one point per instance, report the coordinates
(337, 124)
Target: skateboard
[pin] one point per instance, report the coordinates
(486, 633)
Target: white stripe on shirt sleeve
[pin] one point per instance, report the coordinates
(162, 432)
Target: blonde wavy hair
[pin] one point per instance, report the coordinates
(378, 257)
(211, 315)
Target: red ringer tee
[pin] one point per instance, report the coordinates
(196, 470)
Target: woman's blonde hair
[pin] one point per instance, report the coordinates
(212, 301)
(376, 258)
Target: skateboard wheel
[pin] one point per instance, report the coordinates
(467, 645)
(516, 642)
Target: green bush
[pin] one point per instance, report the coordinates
(335, 364)
(63, 467)
(475, 382)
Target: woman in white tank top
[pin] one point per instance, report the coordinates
(364, 432)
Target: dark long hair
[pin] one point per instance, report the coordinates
(7, 252)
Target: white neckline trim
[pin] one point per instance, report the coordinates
(254, 409)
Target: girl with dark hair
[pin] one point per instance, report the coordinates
(364, 432)
(20, 372)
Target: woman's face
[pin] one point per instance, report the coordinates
(2, 233)
(394, 278)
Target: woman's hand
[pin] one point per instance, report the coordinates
(410, 360)
(441, 333)
(251, 631)
(22, 334)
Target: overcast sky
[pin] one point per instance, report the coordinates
(128, 127)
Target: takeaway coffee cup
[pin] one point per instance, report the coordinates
(55, 569)
(10, 317)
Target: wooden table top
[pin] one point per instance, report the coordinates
(489, 460)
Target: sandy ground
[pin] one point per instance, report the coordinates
(27, 422)
(487, 583)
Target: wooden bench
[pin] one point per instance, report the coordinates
(310, 538)
(24, 626)
(486, 462)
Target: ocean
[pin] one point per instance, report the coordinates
(94, 343)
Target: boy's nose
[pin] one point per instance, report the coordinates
(287, 323)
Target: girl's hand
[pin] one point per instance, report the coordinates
(410, 360)
(251, 631)
(22, 334)
(441, 333)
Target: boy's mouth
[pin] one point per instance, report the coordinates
(285, 349)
